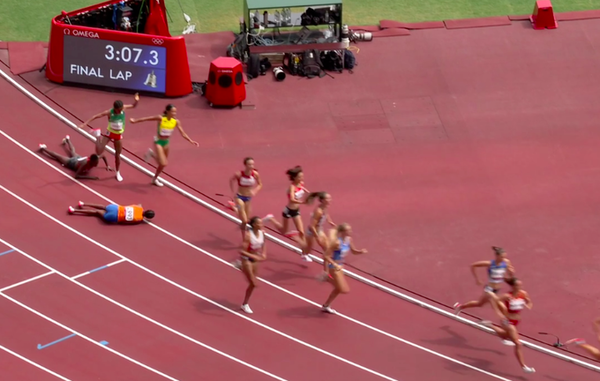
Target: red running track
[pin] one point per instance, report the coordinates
(170, 300)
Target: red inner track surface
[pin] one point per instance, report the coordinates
(480, 145)
(181, 309)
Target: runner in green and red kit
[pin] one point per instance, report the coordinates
(114, 130)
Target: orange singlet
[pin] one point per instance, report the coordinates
(131, 213)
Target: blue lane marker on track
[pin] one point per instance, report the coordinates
(40, 346)
(104, 342)
(98, 269)
(6, 252)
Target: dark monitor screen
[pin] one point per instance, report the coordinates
(114, 64)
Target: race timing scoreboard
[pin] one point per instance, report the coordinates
(117, 59)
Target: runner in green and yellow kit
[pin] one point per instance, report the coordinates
(166, 125)
(114, 130)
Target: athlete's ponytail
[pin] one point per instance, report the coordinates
(498, 250)
(253, 221)
(294, 172)
(168, 108)
(311, 196)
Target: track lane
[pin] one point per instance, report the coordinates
(84, 312)
(77, 359)
(192, 255)
(18, 369)
(138, 188)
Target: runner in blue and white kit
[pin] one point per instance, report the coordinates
(340, 244)
(499, 270)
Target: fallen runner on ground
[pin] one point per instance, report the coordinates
(113, 213)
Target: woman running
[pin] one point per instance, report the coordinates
(253, 251)
(316, 229)
(340, 243)
(166, 124)
(81, 165)
(508, 307)
(113, 213)
(498, 269)
(114, 131)
(295, 193)
(595, 352)
(248, 185)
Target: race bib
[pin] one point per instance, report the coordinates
(128, 213)
(117, 126)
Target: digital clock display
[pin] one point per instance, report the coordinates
(114, 64)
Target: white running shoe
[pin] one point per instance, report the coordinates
(96, 132)
(149, 154)
(71, 210)
(486, 323)
(306, 258)
(157, 182)
(323, 276)
(66, 139)
(527, 369)
(246, 309)
(237, 264)
(119, 177)
(81, 204)
(576, 341)
(328, 309)
(42, 146)
(457, 307)
(268, 217)
(508, 343)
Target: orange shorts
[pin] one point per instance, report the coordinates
(112, 136)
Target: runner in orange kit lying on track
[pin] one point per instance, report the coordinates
(113, 213)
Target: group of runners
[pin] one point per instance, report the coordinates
(335, 240)
(508, 306)
(167, 123)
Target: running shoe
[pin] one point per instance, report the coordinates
(148, 155)
(576, 341)
(328, 309)
(71, 210)
(231, 205)
(527, 369)
(81, 204)
(457, 307)
(246, 309)
(237, 264)
(42, 146)
(292, 233)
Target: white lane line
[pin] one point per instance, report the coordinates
(228, 309)
(34, 363)
(32, 258)
(351, 274)
(98, 269)
(269, 328)
(26, 281)
(105, 347)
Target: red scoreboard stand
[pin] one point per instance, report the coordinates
(118, 58)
